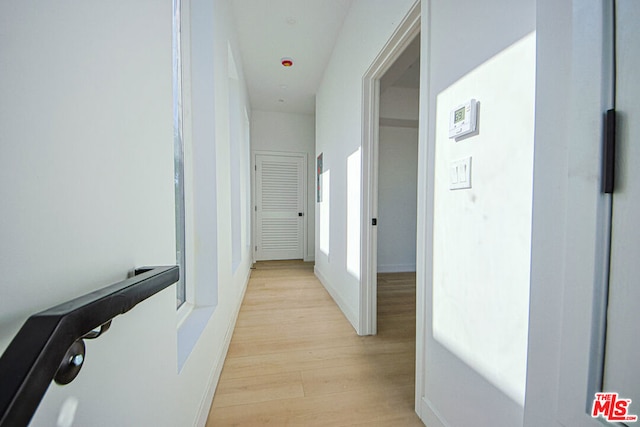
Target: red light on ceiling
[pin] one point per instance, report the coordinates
(286, 62)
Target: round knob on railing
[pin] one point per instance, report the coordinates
(77, 360)
(71, 363)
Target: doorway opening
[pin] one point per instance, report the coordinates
(397, 179)
(389, 183)
(391, 98)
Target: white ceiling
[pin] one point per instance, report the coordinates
(304, 30)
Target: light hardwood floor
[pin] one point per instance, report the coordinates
(294, 360)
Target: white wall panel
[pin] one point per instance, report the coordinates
(397, 198)
(367, 27)
(87, 185)
(398, 180)
(471, 279)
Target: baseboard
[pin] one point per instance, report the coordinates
(396, 268)
(430, 416)
(214, 377)
(348, 312)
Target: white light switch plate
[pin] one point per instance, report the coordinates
(460, 174)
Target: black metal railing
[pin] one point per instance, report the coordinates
(50, 344)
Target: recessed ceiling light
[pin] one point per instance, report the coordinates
(286, 62)
(283, 86)
(291, 20)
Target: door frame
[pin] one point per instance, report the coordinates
(254, 194)
(615, 31)
(406, 32)
(571, 215)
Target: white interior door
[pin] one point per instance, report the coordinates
(280, 183)
(621, 373)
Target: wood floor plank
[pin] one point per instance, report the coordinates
(258, 388)
(294, 359)
(338, 409)
(375, 372)
(302, 327)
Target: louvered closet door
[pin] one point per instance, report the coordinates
(279, 207)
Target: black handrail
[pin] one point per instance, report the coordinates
(50, 343)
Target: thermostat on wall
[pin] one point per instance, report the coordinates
(462, 120)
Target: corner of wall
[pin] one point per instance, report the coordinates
(214, 376)
(347, 310)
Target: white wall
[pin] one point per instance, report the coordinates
(216, 292)
(367, 27)
(397, 180)
(400, 103)
(482, 234)
(476, 281)
(567, 209)
(87, 187)
(288, 132)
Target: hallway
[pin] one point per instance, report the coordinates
(295, 360)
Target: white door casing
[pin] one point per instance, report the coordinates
(280, 182)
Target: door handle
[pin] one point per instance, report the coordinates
(300, 214)
(609, 151)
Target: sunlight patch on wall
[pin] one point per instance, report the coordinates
(246, 181)
(482, 235)
(353, 213)
(325, 212)
(235, 146)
